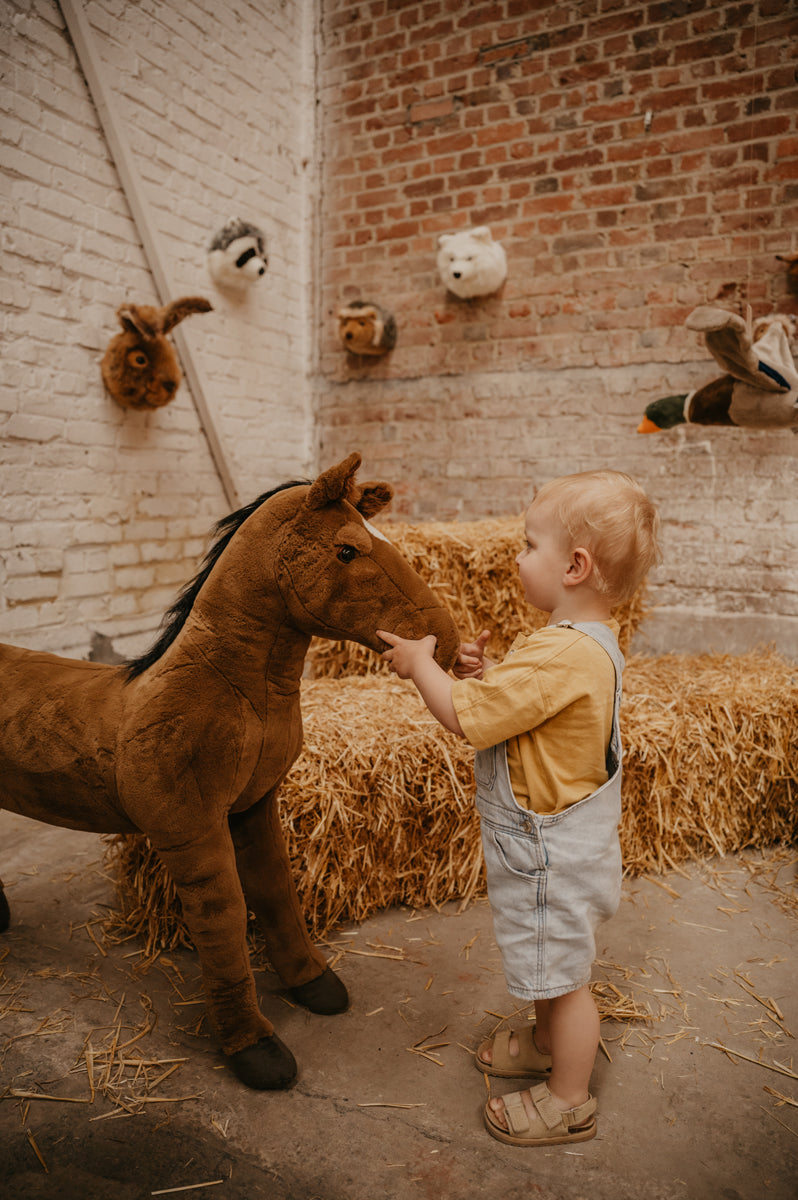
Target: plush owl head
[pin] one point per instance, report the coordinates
(140, 367)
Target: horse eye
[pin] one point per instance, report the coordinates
(137, 358)
(347, 553)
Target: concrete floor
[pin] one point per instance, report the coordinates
(388, 1102)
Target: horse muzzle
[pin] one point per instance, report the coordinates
(437, 621)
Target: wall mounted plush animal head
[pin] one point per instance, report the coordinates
(470, 263)
(237, 255)
(140, 367)
(365, 328)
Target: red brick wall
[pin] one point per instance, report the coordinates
(532, 118)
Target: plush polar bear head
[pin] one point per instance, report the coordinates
(471, 263)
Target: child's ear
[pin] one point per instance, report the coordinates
(580, 568)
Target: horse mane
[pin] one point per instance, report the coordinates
(174, 620)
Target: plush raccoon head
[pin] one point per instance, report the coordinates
(237, 255)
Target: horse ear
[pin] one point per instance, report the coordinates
(373, 497)
(334, 484)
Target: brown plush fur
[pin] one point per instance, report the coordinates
(365, 328)
(191, 744)
(140, 367)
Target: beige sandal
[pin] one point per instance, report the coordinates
(529, 1063)
(549, 1127)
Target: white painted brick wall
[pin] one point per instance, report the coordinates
(104, 514)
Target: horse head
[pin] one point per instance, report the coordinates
(341, 578)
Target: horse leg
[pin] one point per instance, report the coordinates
(5, 912)
(205, 876)
(264, 869)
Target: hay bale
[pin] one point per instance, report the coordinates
(378, 809)
(470, 565)
(710, 764)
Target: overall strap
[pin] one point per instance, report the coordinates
(608, 641)
(605, 638)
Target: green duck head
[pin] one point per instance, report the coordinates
(663, 414)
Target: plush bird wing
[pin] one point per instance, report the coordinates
(765, 364)
(772, 348)
(759, 409)
(710, 404)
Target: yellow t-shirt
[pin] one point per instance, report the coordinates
(551, 700)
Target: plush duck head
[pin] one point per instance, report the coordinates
(663, 414)
(760, 387)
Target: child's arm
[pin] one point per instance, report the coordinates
(471, 661)
(411, 659)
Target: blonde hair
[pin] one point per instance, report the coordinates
(609, 514)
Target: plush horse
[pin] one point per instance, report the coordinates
(189, 743)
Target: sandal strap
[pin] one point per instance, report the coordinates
(553, 1116)
(578, 1115)
(550, 1114)
(529, 1058)
(515, 1113)
(548, 1118)
(501, 1048)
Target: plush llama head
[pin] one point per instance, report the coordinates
(365, 328)
(237, 255)
(470, 263)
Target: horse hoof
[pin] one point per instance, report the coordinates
(267, 1064)
(5, 913)
(325, 994)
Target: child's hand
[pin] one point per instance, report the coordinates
(405, 653)
(471, 659)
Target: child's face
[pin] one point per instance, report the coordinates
(544, 560)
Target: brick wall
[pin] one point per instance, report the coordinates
(635, 160)
(104, 512)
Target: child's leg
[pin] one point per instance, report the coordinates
(574, 1033)
(543, 1026)
(570, 1026)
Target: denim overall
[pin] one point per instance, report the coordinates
(551, 877)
